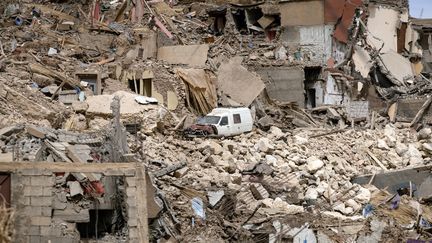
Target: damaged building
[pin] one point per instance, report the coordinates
(97, 98)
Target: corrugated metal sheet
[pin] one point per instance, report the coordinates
(333, 10)
(341, 31)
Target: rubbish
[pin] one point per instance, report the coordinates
(52, 51)
(215, 197)
(145, 100)
(367, 210)
(198, 207)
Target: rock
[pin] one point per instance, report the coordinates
(390, 133)
(42, 80)
(269, 54)
(80, 107)
(264, 145)
(215, 148)
(35, 131)
(300, 140)
(363, 196)
(277, 132)
(287, 208)
(280, 53)
(353, 204)
(98, 124)
(339, 207)
(258, 191)
(76, 122)
(75, 188)
(401, 149)
(381, 144)
(181, 172)
(236, 178)
(214, 197)
(271, 160)
(313, 164)
(427, 147)
(424, 133)
(413, 152)
(311, 194)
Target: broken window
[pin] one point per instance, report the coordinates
(92, 80)
(5, 189)
(237, 118)
(249, 20)
(312, 76)
(141, 86)
(100, 224)
(219, 15)
(224, 121)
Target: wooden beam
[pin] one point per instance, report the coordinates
(421, 112)
(377, 161)
(141, 197)
(108, 169)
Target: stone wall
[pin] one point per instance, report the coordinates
(33, 199)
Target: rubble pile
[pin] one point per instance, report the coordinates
(292, 173)
(337, 94)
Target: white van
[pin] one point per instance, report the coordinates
(223, 122)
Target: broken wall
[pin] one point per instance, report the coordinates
(285, 84)
(302, 13)
(382, 25)
(314, 42)
(39, 215)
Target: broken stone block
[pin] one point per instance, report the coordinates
(381, 144)
(35, 131)
(258, 191)
(264, 145)
(353, 204)
(79, 106)
(7, 131)
(300, 140)
(313, 164)
(181, 172)
(424, 133)
(311, 194)
(72, 215)
(215, 148)
(285, 207)
(401, 149)
(75, 188)
(277, 132)
(271, 160)
(215, 197)
(363, 196)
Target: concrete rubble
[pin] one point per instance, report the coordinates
(339, 92)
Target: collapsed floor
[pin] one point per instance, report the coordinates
(76, 89)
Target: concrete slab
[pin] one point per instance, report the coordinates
(238, 83)
(193, 55)
(302, 13)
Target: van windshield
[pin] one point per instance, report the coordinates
(208, 120)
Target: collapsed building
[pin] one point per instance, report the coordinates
(95, 96)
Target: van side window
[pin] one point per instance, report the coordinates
(224, 121)
(237, 118)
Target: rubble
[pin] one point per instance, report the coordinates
(340, 99)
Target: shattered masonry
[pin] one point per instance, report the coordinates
(104, 138)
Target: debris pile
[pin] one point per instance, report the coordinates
(338, 91)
